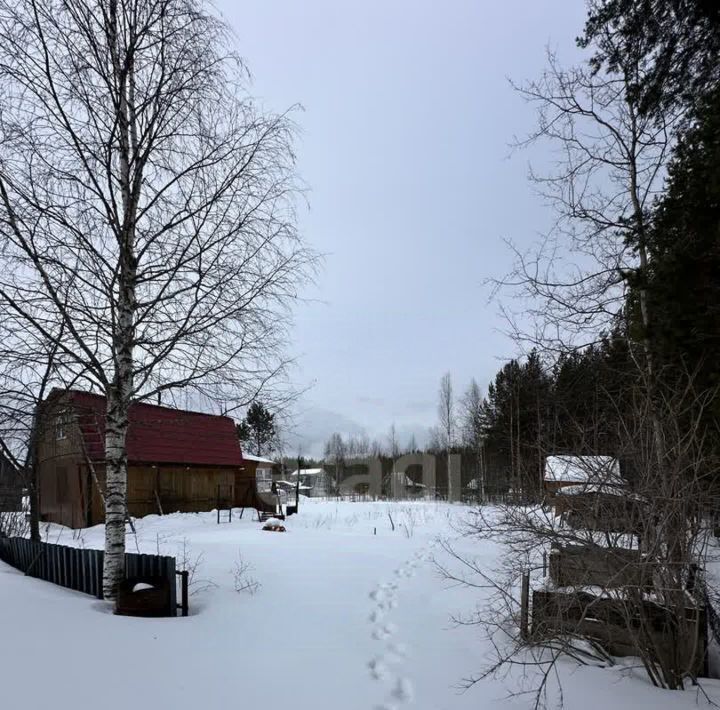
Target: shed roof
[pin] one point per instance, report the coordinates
(583, 469)
(309, 472)
(257, 459)
(159, 434)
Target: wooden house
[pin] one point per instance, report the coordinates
(314, 482)
(177, 460)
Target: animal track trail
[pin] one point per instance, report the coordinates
(385, 666)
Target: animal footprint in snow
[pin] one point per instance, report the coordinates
(403, 690)
(376, 594)
(376, 616)
(378, 670)
(383, 632)
(389, 603)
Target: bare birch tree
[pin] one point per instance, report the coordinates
(608, 170)
(471, 418)
(393, 443)
(147, 205)
(447, 419)
(591, 272)
(446, 411)
(336, 453)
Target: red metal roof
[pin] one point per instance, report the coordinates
(160, 434)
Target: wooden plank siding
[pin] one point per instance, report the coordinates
(590, 565)
(61, 470)
(187, 489)
(617, 626)
(179, 488)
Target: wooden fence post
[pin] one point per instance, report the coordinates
(184, 577)
(525, 606)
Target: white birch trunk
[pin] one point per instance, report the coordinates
(115, 495)
(120, 392)
(118, 404)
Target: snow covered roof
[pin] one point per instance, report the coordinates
(309, 472)
(257, 459)
(583, 469)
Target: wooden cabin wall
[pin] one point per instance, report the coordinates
(60, 470)
(190, 489)
(179, 488)
(245, 485)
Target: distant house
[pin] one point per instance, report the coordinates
(177, 460)
(314, 482)
(575, 474)
(10, 486)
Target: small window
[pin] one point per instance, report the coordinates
(62, 424)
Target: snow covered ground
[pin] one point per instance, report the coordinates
(349, 615)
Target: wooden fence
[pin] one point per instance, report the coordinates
(81, 569)
(586, 565)
(620, 627)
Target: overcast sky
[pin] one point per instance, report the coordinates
(405, 131)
